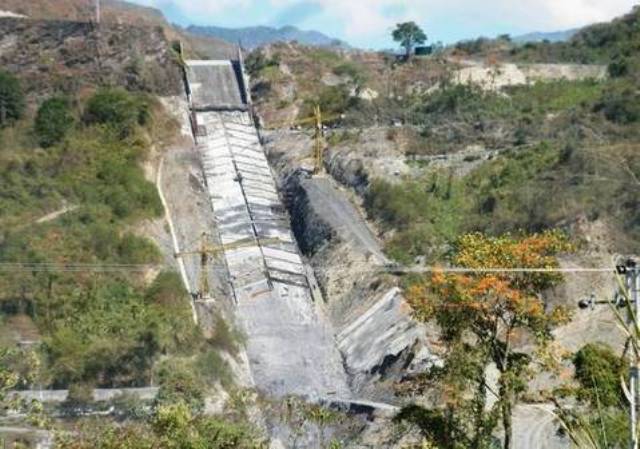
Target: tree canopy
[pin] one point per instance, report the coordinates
(483, 315)
(409, 34)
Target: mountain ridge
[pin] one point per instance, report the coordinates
(551, 36)
(257, 36)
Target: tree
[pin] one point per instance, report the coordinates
(481, 315)
(408, 34)
(11, 99)
(53, 120)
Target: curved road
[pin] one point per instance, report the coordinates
(535, 427)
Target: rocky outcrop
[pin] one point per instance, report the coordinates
(375, 332)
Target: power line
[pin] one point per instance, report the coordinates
(366, 268)
(73, 267)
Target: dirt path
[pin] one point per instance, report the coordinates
(58, 213)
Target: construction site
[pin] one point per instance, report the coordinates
(318, 247)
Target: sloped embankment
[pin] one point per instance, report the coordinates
(377, 337)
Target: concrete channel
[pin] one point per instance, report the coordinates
(291, 347)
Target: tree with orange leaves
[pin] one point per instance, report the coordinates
(481, 312)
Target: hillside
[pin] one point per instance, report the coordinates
(181, 268)
(84, 10)
(253, 37)
(122, 13)
(89, 292)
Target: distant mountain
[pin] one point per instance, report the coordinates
(253, 37)
(555, 36)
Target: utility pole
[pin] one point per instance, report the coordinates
(633, 281)
(97, 12)
(631, 300)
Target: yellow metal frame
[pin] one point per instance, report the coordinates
(207, 250)
(319, 145)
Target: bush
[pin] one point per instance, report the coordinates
(167, 290)
(11, 99)
(333, 101)
(257, 61)
(599, 372)
(118, 109)
(179, 383)
(618, 67)
(53, 120)
(620, 105)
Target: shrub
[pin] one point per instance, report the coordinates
(53, 120)
(599, 372)
(618, 67)
(179, 383)
(166, 290)
(256, 61)
(118, 109)
(620, 105)
(333, 101)
(11, 99)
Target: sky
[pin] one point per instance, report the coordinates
(368, 23)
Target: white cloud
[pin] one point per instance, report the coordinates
(360, 19)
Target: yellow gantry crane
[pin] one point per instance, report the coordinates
(208, 250)
(319, 145)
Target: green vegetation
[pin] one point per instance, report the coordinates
(425, 214)
(256, 62)
(600, 418)
(552, 169)
(614, 42)
(119, 110)
(599, 372)
(12, 101)
(112, 336)
(357, 77)
(53, 121)
(530, 189)
(172, 426)
(521, 104)
(97, 329)
(334, 101)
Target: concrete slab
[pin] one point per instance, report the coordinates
(203, 75)
(291, 348)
